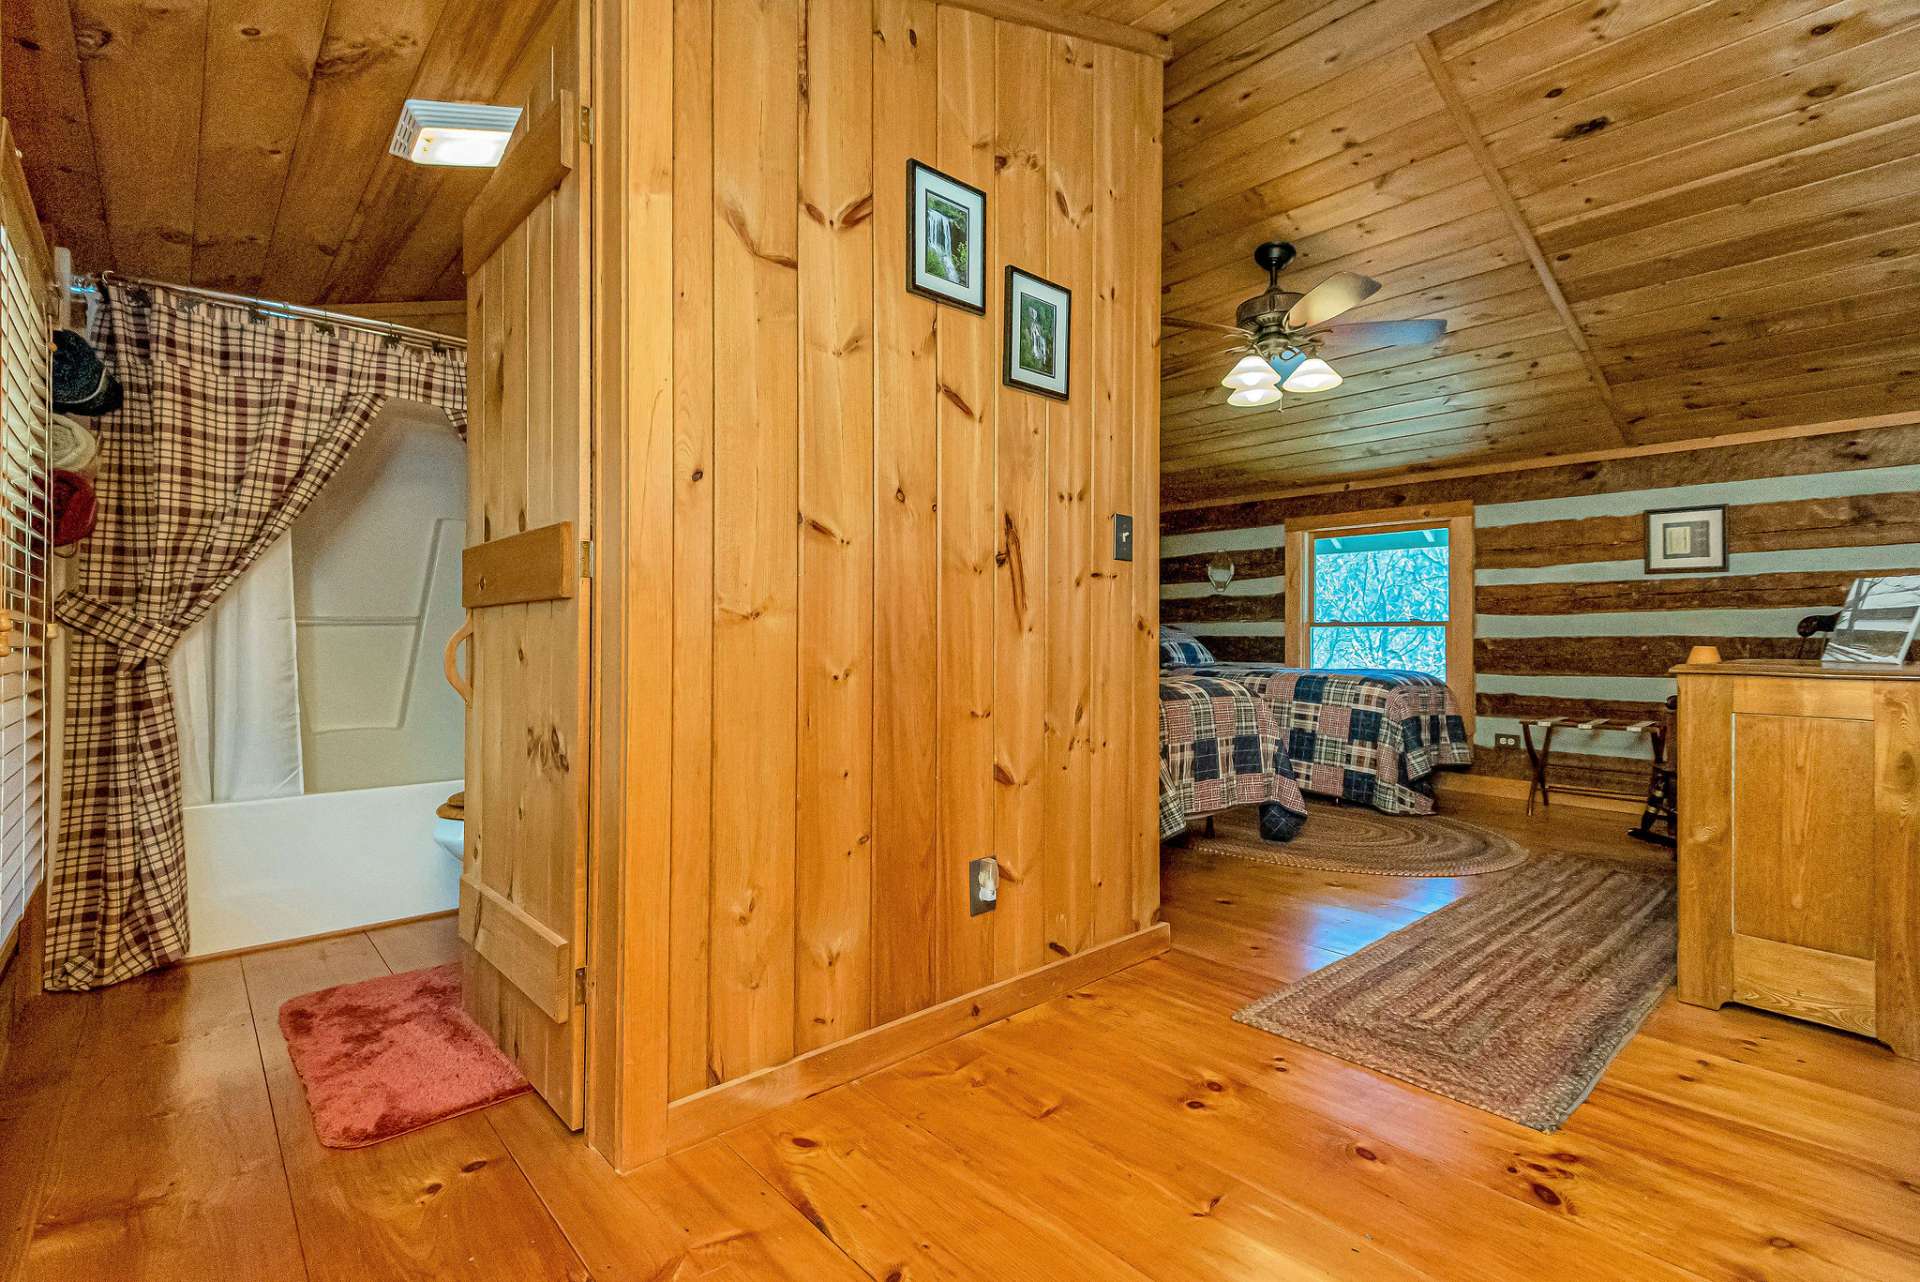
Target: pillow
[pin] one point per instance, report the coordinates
(1178, 650)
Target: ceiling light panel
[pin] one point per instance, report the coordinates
(465, 135)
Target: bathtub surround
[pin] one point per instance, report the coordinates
(264, 872)
(1567, 621)
(199, 475)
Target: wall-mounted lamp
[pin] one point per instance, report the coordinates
(1220, 573)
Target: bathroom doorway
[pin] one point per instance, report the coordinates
(317, 734)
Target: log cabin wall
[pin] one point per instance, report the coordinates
(1566, 619)
(899, 639)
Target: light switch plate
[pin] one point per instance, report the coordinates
(1122, 536)
(983, 885)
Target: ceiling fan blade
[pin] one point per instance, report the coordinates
(1181, 323)
(1406, 333)
(1332, 296)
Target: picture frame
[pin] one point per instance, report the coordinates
(946, 239)
(1687, 540)
(1036, 355)
(1878, 622)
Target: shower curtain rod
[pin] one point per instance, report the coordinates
(86, 286)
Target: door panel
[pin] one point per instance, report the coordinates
(523, 883)
(1803, 840)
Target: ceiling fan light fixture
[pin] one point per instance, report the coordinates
(1312, 375)
(1248, 397)
(1251, 373)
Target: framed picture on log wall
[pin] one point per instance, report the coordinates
(1687, 540)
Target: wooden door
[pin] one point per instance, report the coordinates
(523, 884)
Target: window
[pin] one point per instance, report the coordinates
(1384, 589)
(24, 759)
(1379, 599)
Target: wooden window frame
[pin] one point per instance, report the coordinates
(1457, 517)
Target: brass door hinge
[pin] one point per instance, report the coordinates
(580, 986)
(586, 124)
(586, 558)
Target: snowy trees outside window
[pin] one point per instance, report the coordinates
(1380, 600)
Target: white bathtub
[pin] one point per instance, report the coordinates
(262, 872)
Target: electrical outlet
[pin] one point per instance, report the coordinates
(983, 885)
(1506, 741)
(1122, 537)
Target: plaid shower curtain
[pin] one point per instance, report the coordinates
(234, 420)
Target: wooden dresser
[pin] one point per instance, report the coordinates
(1800, 843)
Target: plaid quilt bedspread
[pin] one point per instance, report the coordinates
(1219, 747)
(1365, 735)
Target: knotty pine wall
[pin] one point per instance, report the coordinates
(1565, 618)
(899, 638)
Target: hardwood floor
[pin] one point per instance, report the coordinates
(1128, 1132)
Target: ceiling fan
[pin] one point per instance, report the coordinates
(1279, 333)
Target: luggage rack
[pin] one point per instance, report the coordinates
(1659, 794)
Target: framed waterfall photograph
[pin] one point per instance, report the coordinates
(946, 238)
(1036, 338)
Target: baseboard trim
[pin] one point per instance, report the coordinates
(699, 1117)
(1516, 790)
(315, 939)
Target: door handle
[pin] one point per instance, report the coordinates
(451, 661)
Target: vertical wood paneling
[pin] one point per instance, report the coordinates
(1017, 219)
(633, 998)
(906, 534)
(895, 607)
(833, 861)
(755, 699)
(1144, 217)
(1115, 404)
(966, 355)
(1072, 538)
(689, 896)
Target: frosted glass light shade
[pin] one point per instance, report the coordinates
(1247, 397)
(1312, 375)
(1251, 372)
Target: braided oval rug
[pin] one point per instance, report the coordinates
(1358, 839)
(1514, 999)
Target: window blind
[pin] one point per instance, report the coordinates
(25, 408)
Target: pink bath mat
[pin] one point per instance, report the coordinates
(391, 1055)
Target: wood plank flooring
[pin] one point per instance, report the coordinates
(1130, 1132)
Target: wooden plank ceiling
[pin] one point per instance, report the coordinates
(242, 144)
(1719, 193)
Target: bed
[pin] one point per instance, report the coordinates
(1220, 747)
(1370, 736)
